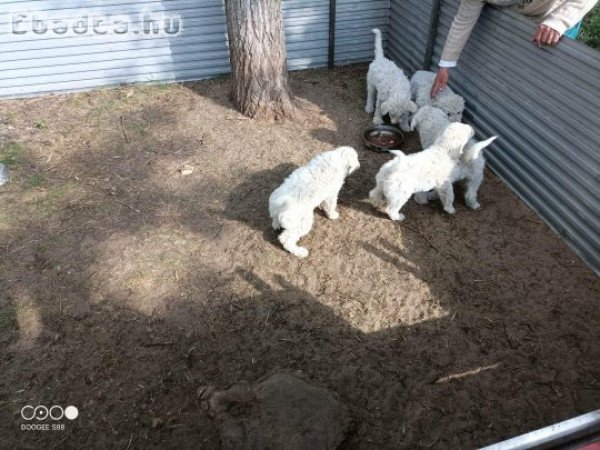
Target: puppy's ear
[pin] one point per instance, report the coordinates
(412, 107)
(409, 105)
(455, 137)
(416, 118)
(385, 108)
(350, 158)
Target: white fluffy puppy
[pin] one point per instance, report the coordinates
(447, 100)
(433, 168)
(317, 184)
(430, 122)
(388, 90)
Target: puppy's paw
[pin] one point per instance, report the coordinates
(333, 215)
(473, 204)
(395, 215)
(300, 252)
(450, 210)
(369, 109)
(377, 120)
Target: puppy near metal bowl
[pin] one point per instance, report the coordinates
(382, 138)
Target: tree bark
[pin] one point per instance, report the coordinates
(258, 59)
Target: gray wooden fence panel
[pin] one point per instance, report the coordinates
(544, 104)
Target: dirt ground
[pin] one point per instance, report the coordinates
(128, 286)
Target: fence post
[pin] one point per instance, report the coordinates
(331, 53)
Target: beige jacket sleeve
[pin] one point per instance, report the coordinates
(462, 25)
(568, 14)
(559, 15)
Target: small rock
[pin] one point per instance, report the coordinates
(3, 174)
(186, 170)
(205, 392)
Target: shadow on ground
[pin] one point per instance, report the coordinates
(128, 289)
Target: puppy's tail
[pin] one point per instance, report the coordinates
(378, 43)
(475, 150)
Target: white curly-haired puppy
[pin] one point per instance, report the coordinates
(388, 90)
(447, 100)
(430, 122)
(433, 168)
(317, 184)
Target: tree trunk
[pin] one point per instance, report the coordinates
(258, 59)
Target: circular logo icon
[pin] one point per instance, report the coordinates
(56, 412)
(41, 412)
(27, 412)
(71, 412)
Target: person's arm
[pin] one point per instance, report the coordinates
(560, 20)
(568, 14)
(462, 25)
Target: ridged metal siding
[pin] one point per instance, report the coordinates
(355, 19)
(34, 64)
(306, 24)
(545, 106)
(409, 30)
(31, 64)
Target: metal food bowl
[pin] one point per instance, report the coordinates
(382, 138)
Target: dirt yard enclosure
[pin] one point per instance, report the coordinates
(139, 269)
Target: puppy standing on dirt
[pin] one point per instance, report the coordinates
(388, 90)
(430, 122)
(433, 168)
(316, 184)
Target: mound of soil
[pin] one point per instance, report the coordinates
(279, 412)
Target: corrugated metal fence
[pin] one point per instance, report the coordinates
(33, 63)
(354, 21)
(409, 29)
(36, 60)
(543, 103)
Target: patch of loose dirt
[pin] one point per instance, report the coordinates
(282, 411)
(129, 284)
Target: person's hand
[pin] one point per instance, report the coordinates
(544, 35)
(440, 82)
